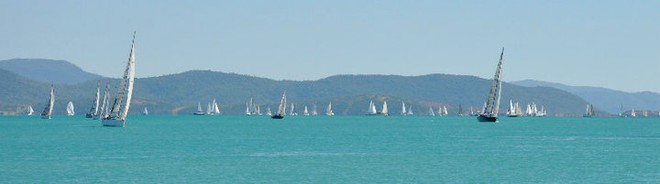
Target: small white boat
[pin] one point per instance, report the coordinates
(48, 111)
(69, 109)
(328, 111)
(145, 111)
(199, 109)
(30, 111)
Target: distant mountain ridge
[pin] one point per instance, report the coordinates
(603, 98)
(349, 94)
(48, 71)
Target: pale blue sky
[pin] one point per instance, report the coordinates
(614, 44)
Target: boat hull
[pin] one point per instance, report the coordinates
(277, 117)
(113, 122)
(89, 115)
(485, 118)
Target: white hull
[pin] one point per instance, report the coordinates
(114, 123)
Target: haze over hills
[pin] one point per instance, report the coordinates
(48, 71)
(606, 99)
(350, 94)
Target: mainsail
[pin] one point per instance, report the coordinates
(384, 111)
(94, 110)
(493, 104)
(122, 102)
(48, 111)
(69, 109)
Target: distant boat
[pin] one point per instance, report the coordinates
(30, 111)
(328, 111)
(513, 109)
(145, 111)
(372, 109)
(314, 112)
(69, 109)
(48, 111)
(209, 109)
(633, 113)
(460, 110)
(403, 108)
(293, 112)
(199, 109)
(281, 109)
(305, 112)
(122, 102)
(251, 108)
(589, 112)
(410, 111)
(431, 113)
(269, 112)
(104, 104)
(93, 111)
(541, 113)
(215, 107)
(384, 111)
(493, 103)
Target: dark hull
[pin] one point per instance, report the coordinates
(484, 118)
(277, 117)
(88, 115)
(199, 113)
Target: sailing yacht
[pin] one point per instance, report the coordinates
(460, 110)
(410, 112)
(633, 113)
(384, 111)
(293, 112)
(30, 110)
(512, 112)
(69, 109)
(281, 109)
(314, 112)
(145, 111)
(493, 104)
(122, 102)
(589, 111)
(372, 109)
(102, 112)
(269, 112)
(305, 112)
(48, 111)
(215, 109)
(199, 109)
(328, 111)
(431, 113)
(403, 108)
(93, 111)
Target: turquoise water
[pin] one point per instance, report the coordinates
(340, 149)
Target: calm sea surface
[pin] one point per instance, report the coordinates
(340, 149)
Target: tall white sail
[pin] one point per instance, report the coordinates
(431, 113)
(384, 110)
(69, 109)
(403, 108)
(216, 109)
(122, 101)
(48, 111)
(93, 111)
(104, 105)
(209, 108)
(30, 111)
(372, 108)
(305, 112)
(328, 111)
(145, 111)
(410, 111)
(493, 103)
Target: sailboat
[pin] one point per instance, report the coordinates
(460, 110)
(372, 109)
(444, 111)
(122, 102)
(30, 111)
(410, 111)
(69, 109)
(305, 112)
(215, 108)
(48, 111)
(384, 111)
(281, 109)
(633, 113)
(145, 111)
(493, 104)
(512, 112)
(293, 112)
(431, 113)
(314, 112)
(328, 111)
(199, 109)
(269, 112)
(93, 111)
(403, 108)
(589, 111)
(102, 112)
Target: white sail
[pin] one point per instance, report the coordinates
(431, 113)
(69, 109)
(410, 111)
(209, 108)
(122, 101)
(104, 107)
(493, 103)
(48, 111)
(145, 111)
(281, 109)
(216, 109)
(93, 111)
(403, 108)
(305, 112)
(328, 111)
(384, 110)
(372, 108)
(444, 110)
(30, 111)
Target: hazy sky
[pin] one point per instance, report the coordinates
(614, 44)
